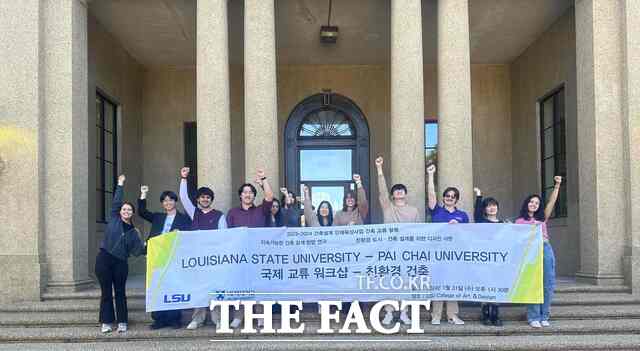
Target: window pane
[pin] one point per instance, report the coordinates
(99, 206)
(548, 143)
(325, 165)
(99, 174)
(326, 123)
(98, 142)
(547, 112)
(109, 109)
(549, 172)
(108, 146)
(431, 156)
(333, 194)
(431, 135)
(108, 174)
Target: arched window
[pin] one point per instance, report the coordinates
(326, 123)
(326, 142)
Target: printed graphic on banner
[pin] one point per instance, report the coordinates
(402, 261)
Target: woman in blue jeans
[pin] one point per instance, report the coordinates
(532, 213)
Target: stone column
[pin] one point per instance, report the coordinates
(455, 140)
(212, 100)
(260, 91)
(407, 101)
(21, 164)
(603, 210)
(66, 200)
(632, 129)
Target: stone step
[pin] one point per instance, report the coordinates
(137, 302)
(355, 343)
(507, 313)
(586, 328)
(561, 289)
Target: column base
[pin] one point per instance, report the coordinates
(71, 285)
(631, 270)
(600, 279)
(22, 278)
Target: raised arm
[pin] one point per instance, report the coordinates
(261, 179)
(118, 196)
(287, 197)
(363, 204)
(477, 208)
(184, 193)
(432, 198)
(309, 217)
(142, 204)
(383, 190)
(548, 210)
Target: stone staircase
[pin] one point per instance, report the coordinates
(583, 317)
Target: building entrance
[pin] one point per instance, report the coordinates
(326, 142)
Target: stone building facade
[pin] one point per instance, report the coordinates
(518, 90)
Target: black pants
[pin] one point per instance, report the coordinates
(167, 317)
(112, 273)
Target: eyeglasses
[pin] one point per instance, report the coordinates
(449, 196)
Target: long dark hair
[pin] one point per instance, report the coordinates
(283, 201)
(524, 210)
(133, 209)
(486, 202)
(277, 216)
(344, 200)
(329, 217)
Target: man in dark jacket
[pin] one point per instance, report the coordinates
(163, 222)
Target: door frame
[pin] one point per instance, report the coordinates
(359, 144)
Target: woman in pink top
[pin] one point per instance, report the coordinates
(533, 213)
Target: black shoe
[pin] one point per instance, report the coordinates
(495, 318)
(157, 325)
(485, 318)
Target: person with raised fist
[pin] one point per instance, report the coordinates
(121, 240)
(395, 209)
(355, 207)
(486, 211)
(251, 216)
(290, 209)
(324, 214)
(445, 213)
(168, 220)
(532, 212)
(204, 217)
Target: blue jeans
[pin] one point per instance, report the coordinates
(540, 312)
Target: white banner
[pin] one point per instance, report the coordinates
(401, 261)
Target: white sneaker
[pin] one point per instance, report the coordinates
(122, 327)
(106, 328)
(235, 323)
(435, 321)
(535, 324)
(455, 320)
(404, 317)
(193, 325)
(388, 318)
(545, 324)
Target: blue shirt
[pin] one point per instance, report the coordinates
(440, 215)
(168, 222)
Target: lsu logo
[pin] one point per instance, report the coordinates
(177, 298)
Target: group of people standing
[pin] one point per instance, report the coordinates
(122, 239)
